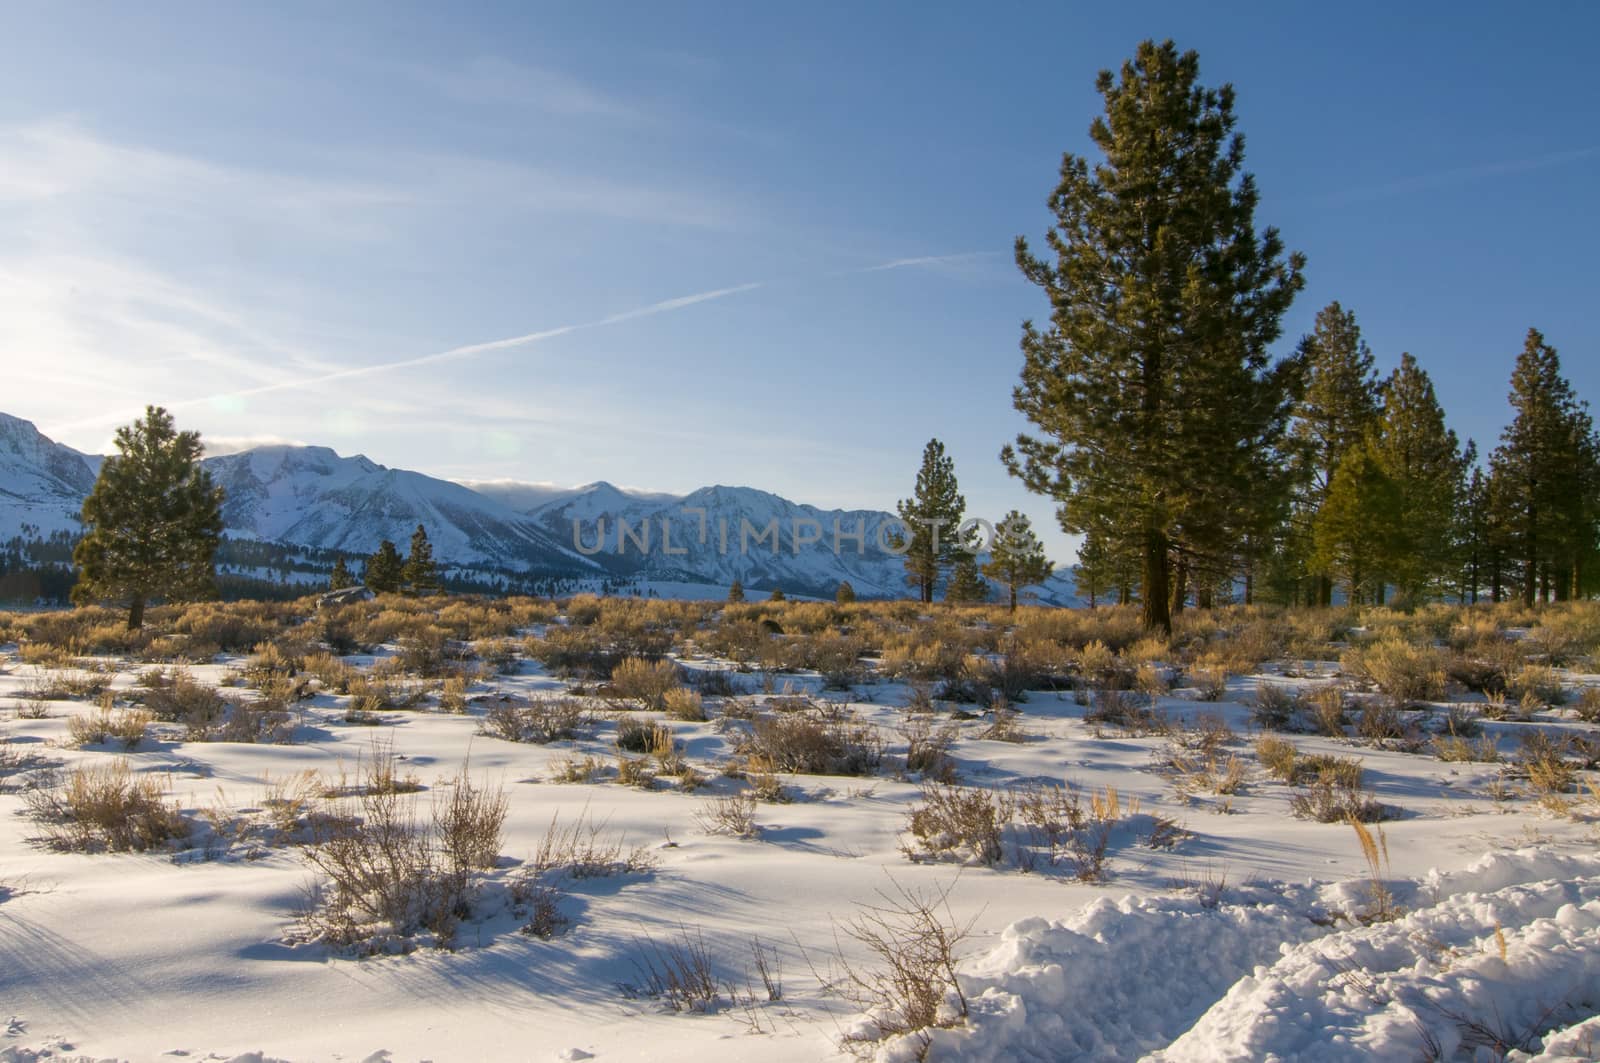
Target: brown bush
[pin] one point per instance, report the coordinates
(105, 807)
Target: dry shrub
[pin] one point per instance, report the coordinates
(105, 724)
(682, 703)
(1328, 711)
(1274, 705)
(635, 771)
(642, 736)
(105, 807)
(1544, 758)
(1538, 683)
(1278, 756)
(453, 695)
(1210, 681)
(1401, 670)
(1587, 706)
(644, 682)
(966, 824)
(916, 944)
(1118, 709)
(573, 652)
(386, 876)
(576, 770)
(1335, 793)
(928, 750)
(814, 742)
(679, 973)
(335, 675)
(733, 814)
(1457, 748)
(541, 720)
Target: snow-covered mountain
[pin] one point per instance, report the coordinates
(42, 483)
(719, 534)
(311, 497)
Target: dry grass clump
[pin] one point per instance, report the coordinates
(577, 770)
(1538, 683)
(680, 973)
(65, 686)
(1119, 709)
(681, 703)
(106, 724)
(1209, 679)
(335, 675)
(1333, 793)
(1587, 705)
(574, 653)
(642, 736)
(105, 807)
(1550, 773)
(928, 750)
(541, 720)
(1278, 756)
(1401, 670)
(813, 742)
(733, 815)
(1328, 710)
(1274, 706)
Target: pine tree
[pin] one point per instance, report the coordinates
(340, 577)
(1544, 468)
(736, 592)
(1353, 533)
(1152, 387)
(777, 595)
(1017, 558)
(966, 582)
(385, 573)
(932, 517)
(1425, 468)
(1339, 405)
(421, 574)
(846, 594)
(154, 521)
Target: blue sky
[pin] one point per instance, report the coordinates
(239, 211)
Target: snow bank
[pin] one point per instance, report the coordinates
(1497, 955)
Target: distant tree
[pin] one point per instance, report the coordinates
(1152, 388)
(966, 582)
(1016, 559)
(1338, 406)
(932, 517)
(736, 592)
(1426, 469)
(1353, 533)
(385, 573)
(340, 578)
(777, 595)
(153, 519)
(845, 594)
(421, 574)
(1545, 476)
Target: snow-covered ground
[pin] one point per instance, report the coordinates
(199, 953)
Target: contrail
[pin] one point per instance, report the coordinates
(665, 306)
(927, 260)
(466, 351)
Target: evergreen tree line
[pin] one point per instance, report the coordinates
(1193, 462)
(386, 572)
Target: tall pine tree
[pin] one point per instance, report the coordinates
(421, 574)
(932, 517)
(1152, 387)
(153, 520)
(340, 578)
(1544, 475)
(1338, 406)
(386, 570)
(1016, 559)
(1426, 470)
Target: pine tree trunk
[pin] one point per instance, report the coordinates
(1013, 597)
(1153, 588)
(1180, 587)
(136, 613)
(1325, 590)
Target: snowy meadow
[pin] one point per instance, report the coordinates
(446, 828)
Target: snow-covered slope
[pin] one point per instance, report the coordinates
(719, 534)
(42, 483)
(310, 496)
